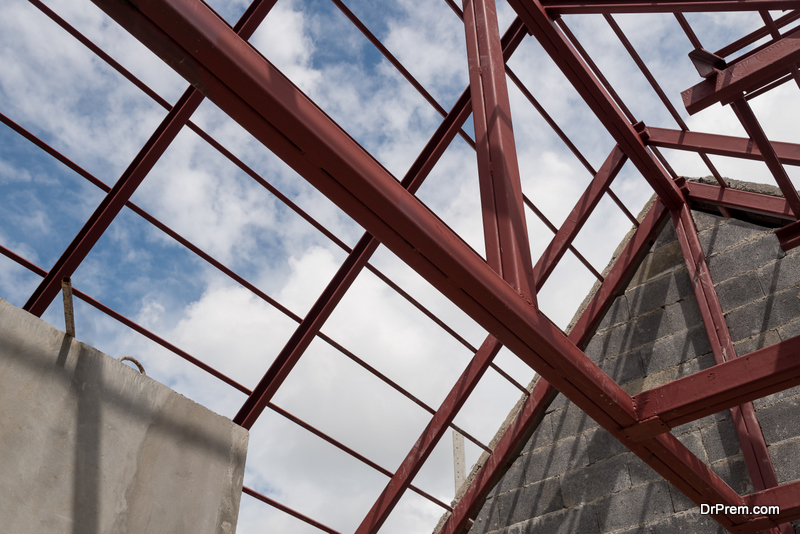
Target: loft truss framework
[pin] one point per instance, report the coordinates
(500, 292)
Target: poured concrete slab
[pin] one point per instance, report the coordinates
(88, 445)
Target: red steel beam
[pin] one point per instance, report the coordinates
(504, 228)
(561, 7)
(722, 145)
(748, 119)
(740, 200)
(751, 439)
(130, 180)
(578, 216)
(746, 75)
(532, 411)
(202, 48)
(564, 55)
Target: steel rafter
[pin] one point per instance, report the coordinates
(751, 439)
(722, 145)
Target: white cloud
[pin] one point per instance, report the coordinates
(57, 88)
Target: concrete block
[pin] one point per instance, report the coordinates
(581, 519)
(769, 400)
(766, 314)
(739, 291)
(680, 502)
(666, 237)
(694, 442)
(601, 445)
(781, 421)
(683, 346)
(658, 261)
(745, 257)
(90, 445)
(780, 275)
(639, 472)
(689, 522)
(595, 481)
(682, 315)
(659, 292)
(784, 459)
(789, 330)
(765, 339)
(721, 440)
(618, 313)
(729, 234)
(618, 511)
(520, 505)
(701, 423)
(733, 471)
(610, 342)
(704, 221)
(623, 368)
(542, 436)
(545, 462)
(569, 421)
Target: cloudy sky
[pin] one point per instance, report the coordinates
(60, 91)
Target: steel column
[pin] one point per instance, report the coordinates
(505, 232)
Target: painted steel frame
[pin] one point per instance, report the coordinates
(501, 296)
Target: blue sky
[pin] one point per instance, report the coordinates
(61, 92)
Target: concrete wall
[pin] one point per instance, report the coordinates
(88, 445)
(575, 477)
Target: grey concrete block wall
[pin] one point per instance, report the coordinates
(575, 477)
(88, 445)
